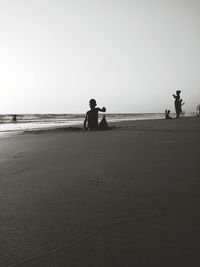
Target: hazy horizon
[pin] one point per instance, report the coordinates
(128, 55)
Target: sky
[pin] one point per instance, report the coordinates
(130, 55)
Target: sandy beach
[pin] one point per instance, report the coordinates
(124, 197)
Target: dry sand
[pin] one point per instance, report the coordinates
(126, 197)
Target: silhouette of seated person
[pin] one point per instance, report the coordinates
(14, 119)
(91, 118)
(167, 115)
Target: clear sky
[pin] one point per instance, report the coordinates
(130, 55)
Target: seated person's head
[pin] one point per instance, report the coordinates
(92, 103)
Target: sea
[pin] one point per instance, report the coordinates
(47, 121)
(27, 122)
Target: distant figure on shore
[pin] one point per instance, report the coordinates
(181, 104)
(177, 103)
(14, 119)
(198, 110)
(91, 118)
(167, 114)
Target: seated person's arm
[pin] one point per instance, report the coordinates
(85, 121)
(102, 109)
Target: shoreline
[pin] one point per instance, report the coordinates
(35, 122)
(78, 127)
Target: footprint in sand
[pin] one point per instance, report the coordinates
(97, 181)
(168, 142)
(18, 155)
(99, 178)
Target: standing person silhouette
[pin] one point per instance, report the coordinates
(91, 117)
(177, 103)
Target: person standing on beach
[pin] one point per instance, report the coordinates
(91, 117)
(177, 103)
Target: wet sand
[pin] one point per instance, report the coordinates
(125, 197)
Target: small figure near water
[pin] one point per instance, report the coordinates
(167, 114)
(91, 118)
(14, 119)
(178, 104)
(181, 104)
